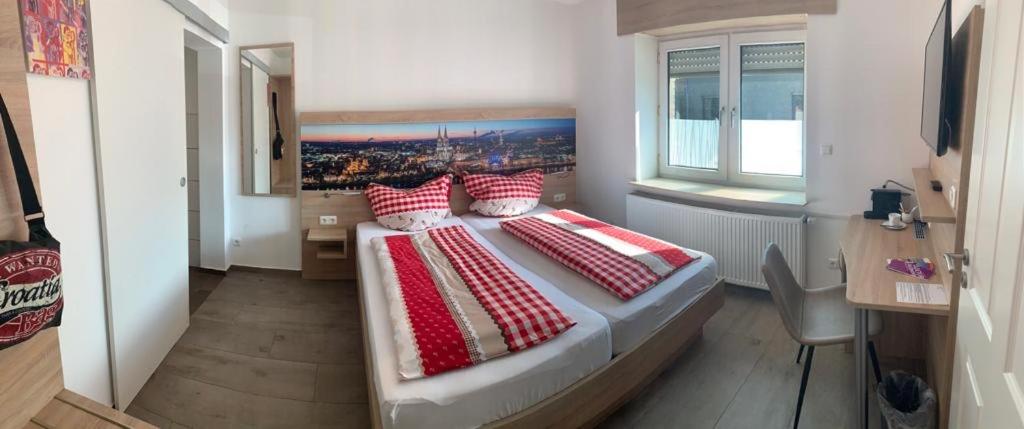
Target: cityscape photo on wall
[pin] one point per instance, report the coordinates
(404, 155)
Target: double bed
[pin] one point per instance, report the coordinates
(576, 379)
(486, 392)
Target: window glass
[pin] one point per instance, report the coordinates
(772, 109)
(694, 83)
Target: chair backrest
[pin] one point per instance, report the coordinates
(786, 292)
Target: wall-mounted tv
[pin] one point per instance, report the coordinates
(936, 108)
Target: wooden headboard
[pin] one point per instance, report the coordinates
(30, 372)
(351, 207)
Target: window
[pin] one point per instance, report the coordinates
(732, 109)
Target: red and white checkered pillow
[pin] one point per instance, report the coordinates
(497, 195)
(411, 209)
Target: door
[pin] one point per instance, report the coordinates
(139, 106)
(989, 364)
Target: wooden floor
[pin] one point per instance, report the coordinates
(263, 350)
(271, 350)
(200, 285)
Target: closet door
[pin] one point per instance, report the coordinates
(139, 107)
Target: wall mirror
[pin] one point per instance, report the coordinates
(268, 132)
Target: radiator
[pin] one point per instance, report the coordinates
(736, 240)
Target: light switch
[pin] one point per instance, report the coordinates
(826, 149)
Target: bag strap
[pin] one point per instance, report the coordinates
(29, 200)
(277, 122)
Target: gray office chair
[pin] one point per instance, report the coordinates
(813, 317)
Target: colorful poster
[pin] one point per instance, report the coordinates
(56, 36)
(351, 156)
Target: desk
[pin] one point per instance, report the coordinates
(864, 247)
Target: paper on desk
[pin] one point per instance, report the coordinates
(921, 293)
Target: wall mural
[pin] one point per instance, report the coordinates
(351, 156)
(56, 37)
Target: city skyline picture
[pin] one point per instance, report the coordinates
(404, 155)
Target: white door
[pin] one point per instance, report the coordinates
(989, 364)
(140, 110)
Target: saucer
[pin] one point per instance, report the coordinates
(894, 227)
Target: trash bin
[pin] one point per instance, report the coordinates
(906, 401)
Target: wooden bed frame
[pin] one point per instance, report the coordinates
(593, 398)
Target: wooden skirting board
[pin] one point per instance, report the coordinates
(592, 399)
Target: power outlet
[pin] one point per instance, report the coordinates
(328, 220)
(559, 198)
(833, 263)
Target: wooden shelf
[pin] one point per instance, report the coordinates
(331, 253)
(332, 243)
(933, 205)
(328, 234)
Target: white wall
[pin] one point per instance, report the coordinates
(864, 79)
(390, 55)
(62, 123)
(606, 112)
(216, 9)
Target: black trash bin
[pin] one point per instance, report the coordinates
(906, 401)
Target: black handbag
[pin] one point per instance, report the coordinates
(278, 140)
(31, 289)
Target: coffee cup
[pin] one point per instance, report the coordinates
(895, 219)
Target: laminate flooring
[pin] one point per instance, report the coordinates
(271, 350)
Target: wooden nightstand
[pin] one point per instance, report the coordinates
(332, 242)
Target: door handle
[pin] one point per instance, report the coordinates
(963, 257)
(721, 116)
(183, 182)
(732, 118)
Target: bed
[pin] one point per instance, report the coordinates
(487, 392)
(631, 321)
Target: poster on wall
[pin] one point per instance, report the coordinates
(56, 37)
(404, 155)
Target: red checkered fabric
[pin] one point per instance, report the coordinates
(454, 304)
(527, 184)
(524, 316)
(623, 275)
(433, 195)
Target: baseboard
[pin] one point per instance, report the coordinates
(209, 271)
(277, 271)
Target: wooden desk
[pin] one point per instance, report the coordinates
(864, 247)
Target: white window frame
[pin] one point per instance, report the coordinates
(729, 172)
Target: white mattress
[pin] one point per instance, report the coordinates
(483, 393)
(630, 320)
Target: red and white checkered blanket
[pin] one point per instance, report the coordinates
(454, 304)
(624, 262)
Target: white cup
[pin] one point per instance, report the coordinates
(894, 218)
(908, 217)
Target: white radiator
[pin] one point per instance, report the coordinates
(736, 240)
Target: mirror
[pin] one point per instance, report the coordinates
(268, 120)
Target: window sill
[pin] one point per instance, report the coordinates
(724, 194)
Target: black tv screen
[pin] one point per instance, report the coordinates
(935, 112)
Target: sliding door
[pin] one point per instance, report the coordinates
(139, 107)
